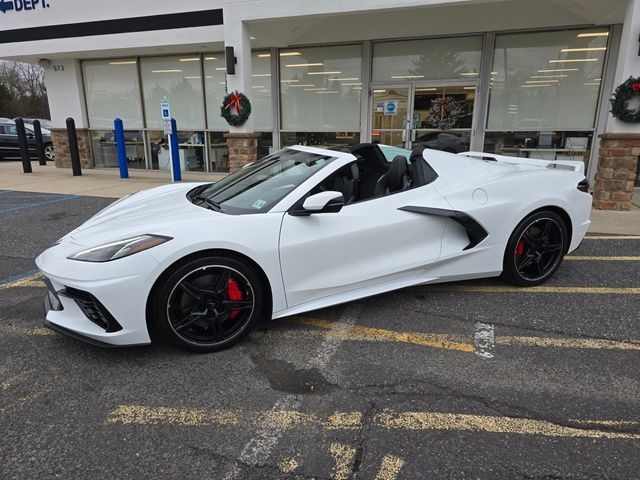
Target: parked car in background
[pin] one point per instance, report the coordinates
(443, 141)
(44, 123)
(9, 148)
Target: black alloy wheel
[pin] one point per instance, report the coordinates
(209, 303)
(536, 249)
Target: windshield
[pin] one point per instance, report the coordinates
(261, 185)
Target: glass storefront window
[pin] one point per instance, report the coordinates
(103, 148)
(545, 145)
(546, 80)
(261, 108)
(191, 148)
(431, 59)
(179, 79)
(218, 152)
(112, 90)
(215, 85)
(321, 88)
(333, 140)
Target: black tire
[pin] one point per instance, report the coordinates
(535, 249)
(49, 152)
(194, 304)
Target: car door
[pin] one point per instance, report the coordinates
(8, 142)
(365, 248)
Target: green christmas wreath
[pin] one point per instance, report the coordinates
(235, 108)
(620, 102)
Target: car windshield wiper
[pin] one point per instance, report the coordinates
(207, 201)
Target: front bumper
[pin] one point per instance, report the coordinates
(102, 304)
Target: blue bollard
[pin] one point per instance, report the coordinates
(121, 148)
(175, 152)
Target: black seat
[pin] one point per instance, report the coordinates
(396, 179)
(347, 182)
(373, 164)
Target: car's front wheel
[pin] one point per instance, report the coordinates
(209, 303)
(535, 249)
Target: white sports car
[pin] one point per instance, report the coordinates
(306, 228)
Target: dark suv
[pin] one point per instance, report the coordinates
(9, 148)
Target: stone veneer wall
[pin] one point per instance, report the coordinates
(61, 146)
(616, 175)
(243, 149)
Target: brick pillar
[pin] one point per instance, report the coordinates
(616, 175)
(61, 146)
(243, 149)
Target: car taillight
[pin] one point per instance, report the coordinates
(583, 186)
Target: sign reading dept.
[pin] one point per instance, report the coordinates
(22, 5)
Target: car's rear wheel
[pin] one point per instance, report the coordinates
(209, 303)
(49, 152)
(535, 249)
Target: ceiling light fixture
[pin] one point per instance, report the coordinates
(558, 70)
(210, 58)
(261, 75)
(294, 65)
(407, 76)
(123, 62)
(469, 74)
(166, 71)
(324, 73)
(542, 81)
(347, 79)
(290, 54)
(594, 34)
(574, 60)
(586, 49)
(191, 59)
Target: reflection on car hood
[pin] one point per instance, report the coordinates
(156, 211)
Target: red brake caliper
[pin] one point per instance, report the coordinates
(520, 248)
(234, 293)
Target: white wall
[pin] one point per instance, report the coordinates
(628, 62)
(65, 93)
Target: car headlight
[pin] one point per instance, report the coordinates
(119, 249)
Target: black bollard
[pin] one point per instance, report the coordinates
(22, 143)
(73, 147)
(39, 144)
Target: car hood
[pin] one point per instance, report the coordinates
(156, 211)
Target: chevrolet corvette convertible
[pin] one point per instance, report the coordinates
(306, 228)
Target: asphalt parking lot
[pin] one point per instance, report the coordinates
(471, 380)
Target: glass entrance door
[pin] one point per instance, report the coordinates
(442, 117)
(437, 117)
(390, 115)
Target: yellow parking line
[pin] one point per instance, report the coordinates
(586, 343)
(388, 420)
(612, 237)
(603, 259)
(343, 456)
(493, 424)
(30, 281)
(507, 289)
(390, 468)
(379, 334)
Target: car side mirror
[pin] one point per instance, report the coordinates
(323, 202)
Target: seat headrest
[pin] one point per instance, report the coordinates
(397, 172)
(355, 172)
(417, 153)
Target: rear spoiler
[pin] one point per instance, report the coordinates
(571, 165)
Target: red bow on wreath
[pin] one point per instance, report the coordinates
(635, 87)
(235, 100)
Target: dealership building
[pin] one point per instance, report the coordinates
(513, 77)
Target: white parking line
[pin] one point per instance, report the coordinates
(259, 448)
